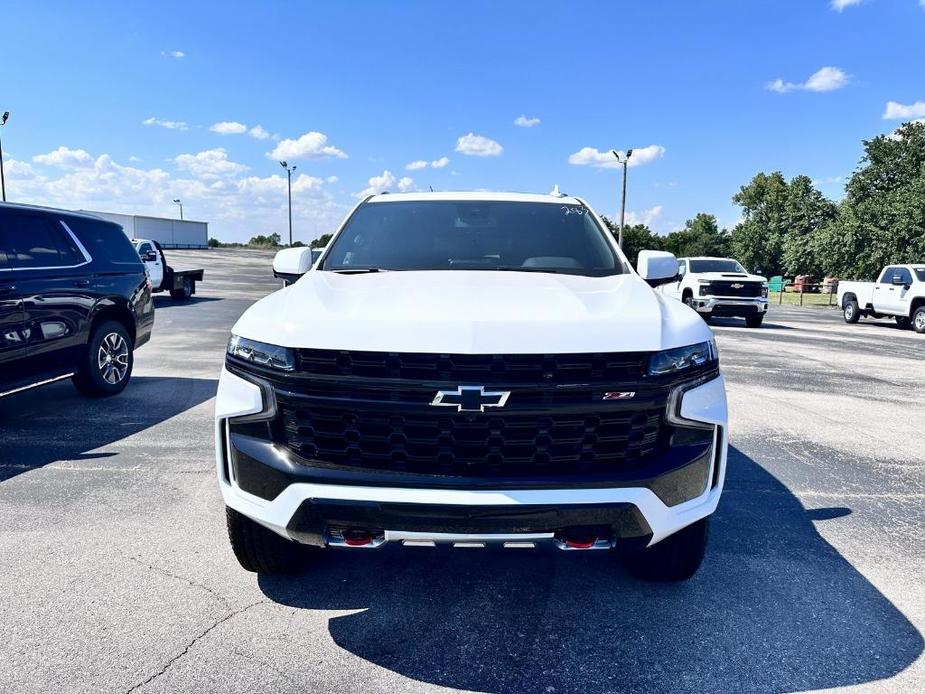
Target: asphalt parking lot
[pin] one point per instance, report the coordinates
(116, 575)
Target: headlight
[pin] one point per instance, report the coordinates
(261, 354)
(682, 358)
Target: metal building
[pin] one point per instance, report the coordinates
(170, 233)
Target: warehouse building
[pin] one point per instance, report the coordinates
(170, 233)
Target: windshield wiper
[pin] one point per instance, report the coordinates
(357, 269)
(521, 268)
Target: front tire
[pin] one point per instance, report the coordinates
(918, 320)
(676, 558)
(754, 321)
(852, 312)
(106, 366)
(262, 551)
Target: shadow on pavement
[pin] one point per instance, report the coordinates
(740, 323)
(55, 423)
(164, 301)
(774, 608)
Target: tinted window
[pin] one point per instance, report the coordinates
(682, 267)
(904, 275)
(144, 248)
(920, 273)
(29, 241)
(887, 277)
(476, 235)
(716, 265)
(104, 241)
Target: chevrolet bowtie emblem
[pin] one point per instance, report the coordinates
(470, 398)
(736, 285)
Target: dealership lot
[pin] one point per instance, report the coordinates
(117, 576)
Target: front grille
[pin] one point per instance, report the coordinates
(472, 445)
(731, 288)
(474, 368)
(372, 411)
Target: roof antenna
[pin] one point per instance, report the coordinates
(431, 188)
(556, 192)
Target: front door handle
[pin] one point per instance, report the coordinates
(81, 283)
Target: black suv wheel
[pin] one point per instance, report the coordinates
(106, 367)
(676, 558)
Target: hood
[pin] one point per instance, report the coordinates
(730, 276)
(471, 312)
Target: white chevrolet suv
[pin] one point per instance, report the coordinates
(720, 287)
(471, 369)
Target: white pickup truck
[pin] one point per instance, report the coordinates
(899, 292)
(719, 287)
(180, 283)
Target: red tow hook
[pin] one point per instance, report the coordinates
(579, 544)
(357, 538)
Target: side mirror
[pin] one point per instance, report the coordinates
(291, 263)
(150, 257)
(657, 267)
(898, 281)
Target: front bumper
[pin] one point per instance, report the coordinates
(730, 306)
(261, 481)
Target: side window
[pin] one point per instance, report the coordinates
(887, 277)
(144, 248)
(29, 241)
(682, 267)
(904, 273)
(103, 240)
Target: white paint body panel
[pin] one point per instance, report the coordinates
(884, 297)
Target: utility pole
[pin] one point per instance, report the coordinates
(623, 161)
(289, 170)
(176, 200)
(3, 119)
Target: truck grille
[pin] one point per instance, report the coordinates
(474, 368)
(472, 445)
(731, 288)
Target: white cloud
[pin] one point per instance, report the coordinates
(478, 146)
(646, 217)
(209, 164)
(311, 145)
(419, 164)
(386, 181)
(236, 207)
(173, 54)
(590, 156)
(65, 158)
(825, 79)
(258, 132)
(133, 159)
(525, 122)
(897, 111)
(228, 127)
(332, 179)
(169, 124)
(839, 5)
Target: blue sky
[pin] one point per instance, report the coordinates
(114, 105)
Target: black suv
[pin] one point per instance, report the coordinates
(75, 301)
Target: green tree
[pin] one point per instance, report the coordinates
(806, 212)
(636, 237)
(321, 241)
(781, 224)
(269, 241)
(882, 218)
(700, 236)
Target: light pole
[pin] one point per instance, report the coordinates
(177, 200)
(289, 170)
(3, 119)
(623, 161)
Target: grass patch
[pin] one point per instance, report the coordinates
(794, 299)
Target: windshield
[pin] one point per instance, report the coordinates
(473, 235)
(716, 265)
